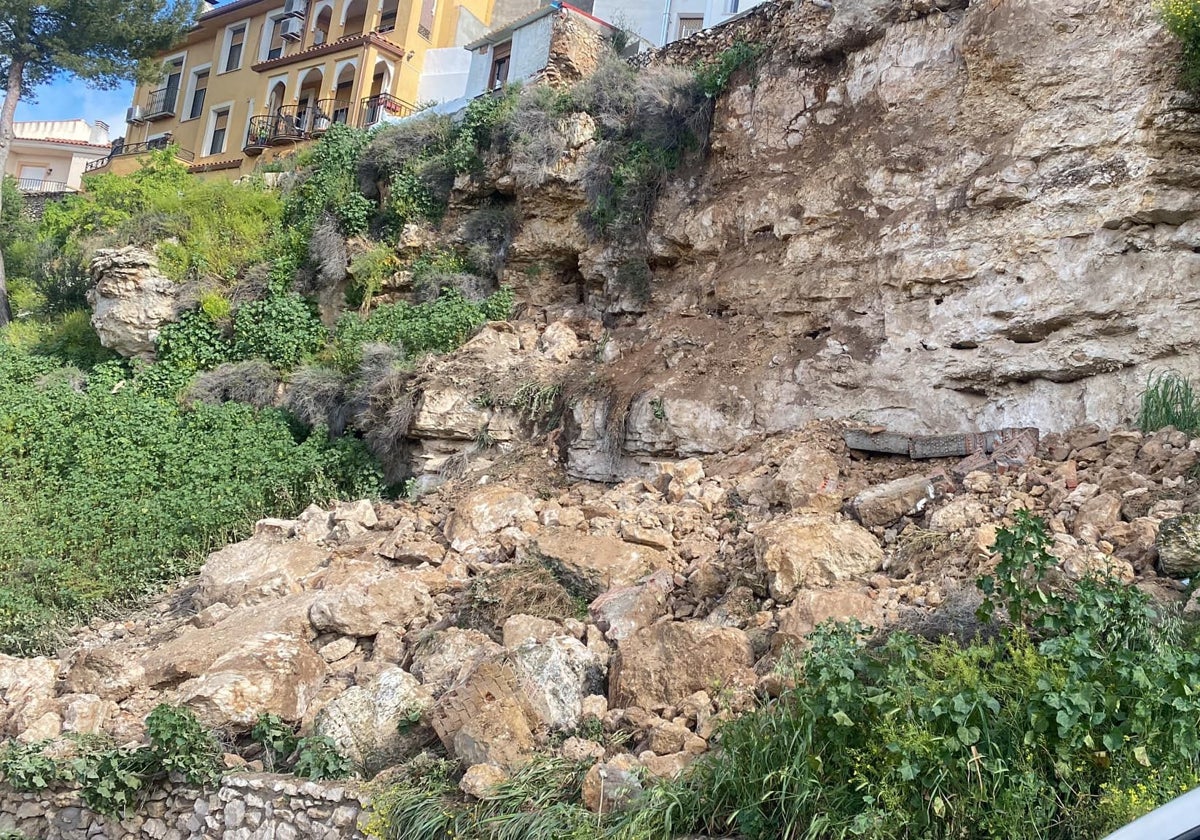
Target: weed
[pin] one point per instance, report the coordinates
(1169, 399)
(1182, 18)
(658, 409)
(317, 758)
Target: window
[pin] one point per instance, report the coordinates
(233, 53)
(171, 91)
(689, 25)
(275, 45)
(220, 126)
(425, 24)
(501, 59)
(199, 89)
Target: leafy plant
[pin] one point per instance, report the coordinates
(278, 739)
(283, 329)
(108, 492)
(317, 757)
(714, 76)
(27, 768)
(181, 744)
(114, 781)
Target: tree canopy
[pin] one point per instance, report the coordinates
(101, 42)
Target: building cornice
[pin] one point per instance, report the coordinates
(349, 43)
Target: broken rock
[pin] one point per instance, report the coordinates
(812, 550)
(662, 665)
(883, 504)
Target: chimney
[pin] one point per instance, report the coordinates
(99, 133)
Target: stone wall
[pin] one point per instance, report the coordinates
(250, 805)
(754, 27)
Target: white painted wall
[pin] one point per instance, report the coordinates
(445, 74)
(530, 53)
(719, 11)
(646, 18)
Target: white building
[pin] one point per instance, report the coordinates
(49, 156)
(660, 22)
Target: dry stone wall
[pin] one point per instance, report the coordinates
(250, 806)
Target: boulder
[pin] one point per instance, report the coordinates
(272, 673)
(590, 564)
(1099, 514)
(195, 649)
(558, 342)
(86, 714)
(362, 609)
(131, 301)
(481, 779)
(407, 547)
(959, 515)
(621, 611)
(612, 786)
(485, 511)
(556, 675)
(1178, 545)
(378, 725)
(486, 719)
(812, 550)
(811, 607)
(662, 665)
(883, 504)
(106, 672)
(807, 479)
(255, 570)
(440, 660)
(27, 692)
(519, 629)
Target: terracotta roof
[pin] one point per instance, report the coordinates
(62, 141)
(332, 46)
(216, 165)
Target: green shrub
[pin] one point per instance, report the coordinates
(199, 228)
(108, 493)
(438, 326)
(317, 758)
(277, 738)
(1169, 400)
(193, 343)
(283, 329)
(68, 337)
(27, 768)
(370, 270)
(181, 744)
(1182, 18)
(714, 76)
(330, 184)
(113, 782)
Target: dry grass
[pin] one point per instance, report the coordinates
(253, 382)
(522, 589)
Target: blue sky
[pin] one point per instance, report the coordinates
(67, 98)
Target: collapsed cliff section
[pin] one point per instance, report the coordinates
(936, 216)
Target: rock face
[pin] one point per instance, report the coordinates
(931, 252)
(131, 301)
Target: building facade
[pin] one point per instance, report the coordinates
(50, 156)
(254, 79)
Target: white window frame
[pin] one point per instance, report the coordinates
(689, 16)
(167, 61)
(205, 149)
(227, 42)
(264, 40)
(191, 90)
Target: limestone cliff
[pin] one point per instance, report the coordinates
(937, 216)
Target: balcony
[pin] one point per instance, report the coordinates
(161, 104)
(287, 125)
(330, 111)
(128, 149)
(375, 108)
(37, 186)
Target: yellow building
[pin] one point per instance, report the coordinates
(255, 78)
